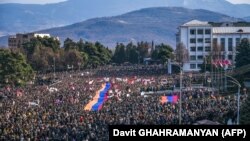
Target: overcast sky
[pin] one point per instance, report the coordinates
(53, 1)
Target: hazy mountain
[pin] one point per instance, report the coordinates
(247, 19)
(30, 17)
(158, 24)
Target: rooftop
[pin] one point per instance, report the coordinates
(234, 24)
(231, 30)
(196, 23)
(217, 24)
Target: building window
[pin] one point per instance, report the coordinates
(192, 66)
(200, 57)
(230, 44)
(208, 31)
(193, 49)
(207, 48)
(200, 31)
(237, 41)
(192, 57)
(207, 40)
(199, 66)
(222, 43)
(200, 40)
(192, 40)
(230, 57)
(192, 31)
(200, 48)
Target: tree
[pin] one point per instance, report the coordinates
(119, 56)
(70, 44)
(132, 55)
(85, 58)
(14, 69)
(49, 42)
(29, 47)
(181, 54)
(245, 112)
(40, 51)
(207, 64)
(80, 45)
(216, 52)
(162, 52)
(104, 54)
(243, 53)
(143, 49)
(95, 54)
(42, 58)
(154, 54)
(73, 57)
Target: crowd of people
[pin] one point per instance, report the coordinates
(56, 111)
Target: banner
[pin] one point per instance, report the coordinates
(171, 99)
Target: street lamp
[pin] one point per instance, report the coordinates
(79, 65)
(209, 81)
(245, 91)
(210, 88)
(180, 102)
(238, 97)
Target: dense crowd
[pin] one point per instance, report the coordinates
(56, 111)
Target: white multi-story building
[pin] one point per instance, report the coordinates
(199, 37)
(19, 39)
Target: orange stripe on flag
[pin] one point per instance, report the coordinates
(163, 99)
(88, 107)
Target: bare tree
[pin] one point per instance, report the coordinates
(216, 51)
(216, 54)
(181, 54)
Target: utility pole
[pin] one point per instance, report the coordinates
(180, 103)
(54, 68)
(180, 99)
(205, 79)
(238, 97)
(238, 106)
(138, 63)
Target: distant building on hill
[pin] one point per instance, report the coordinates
(19, 39)
(200, 38)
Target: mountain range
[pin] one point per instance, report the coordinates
(247, 19)
(150, 24)
(32, 17)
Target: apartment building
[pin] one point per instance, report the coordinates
(19, 39)
(201, 37)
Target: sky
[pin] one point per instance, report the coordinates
(239, 1)
(54, 1)
(31, 1)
